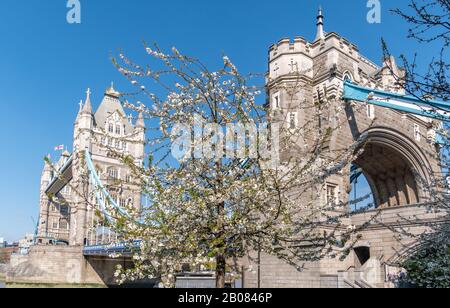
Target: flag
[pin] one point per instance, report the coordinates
(59, 148)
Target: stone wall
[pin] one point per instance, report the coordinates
(52, 265)
(5, 254)
(331, 273)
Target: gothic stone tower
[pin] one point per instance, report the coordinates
(65, 211)
(398, 158)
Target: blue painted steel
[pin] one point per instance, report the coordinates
(60, 171)
(405, 103)
(355, 174)
(101, 189)
(122, 248)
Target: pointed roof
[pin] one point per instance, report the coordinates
(109, 105)
(87, 105)
(140, 123)
(320, 32)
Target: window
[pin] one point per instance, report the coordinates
(128, 178)
(292, 120)
(118, 131)
(67, 190)
(370, 111)
(104, 142)
(55, 224)
(110, 142)
(276, 104)
(53, 208)
(332, 194)
(417, 134)
(113, 173)
(125, 146)
(117, 144)
(348, 77)
(123, 202)
(63, 224)
(111, 128)
(64, 210)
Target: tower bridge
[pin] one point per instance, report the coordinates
(401, 158)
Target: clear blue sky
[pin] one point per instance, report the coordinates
(47, 64)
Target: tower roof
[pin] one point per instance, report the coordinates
(87, 105)
(320, 32)
(109, 105)
(112, 92)
(140, 123)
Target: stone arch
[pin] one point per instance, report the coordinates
(395, 167)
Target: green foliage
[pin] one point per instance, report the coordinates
(429, 268)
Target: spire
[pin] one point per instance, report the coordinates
(79, 111)
(140, 123)
(111, 91)
(87, 106)
(320, 33)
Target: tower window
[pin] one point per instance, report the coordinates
(276, 104)
(370, 111)
(123, 202)
(292, 120)
(332, 194)
(348, 77)
(417, 134)
(113, 173)
(63, 224)
(64, 210)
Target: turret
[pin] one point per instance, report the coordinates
(46, 175)
(84, 125)
(139, 130)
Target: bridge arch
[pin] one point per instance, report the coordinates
(395, 167)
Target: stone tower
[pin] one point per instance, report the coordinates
(399, 160)
(66, 213)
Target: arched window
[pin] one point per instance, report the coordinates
(347, 76)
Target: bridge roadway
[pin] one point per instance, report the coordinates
(122, 249)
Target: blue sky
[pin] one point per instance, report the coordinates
(46, 64)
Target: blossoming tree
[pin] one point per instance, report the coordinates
(226, 177)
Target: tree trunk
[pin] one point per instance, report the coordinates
(220, 271)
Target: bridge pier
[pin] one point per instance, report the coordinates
(62, 265)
